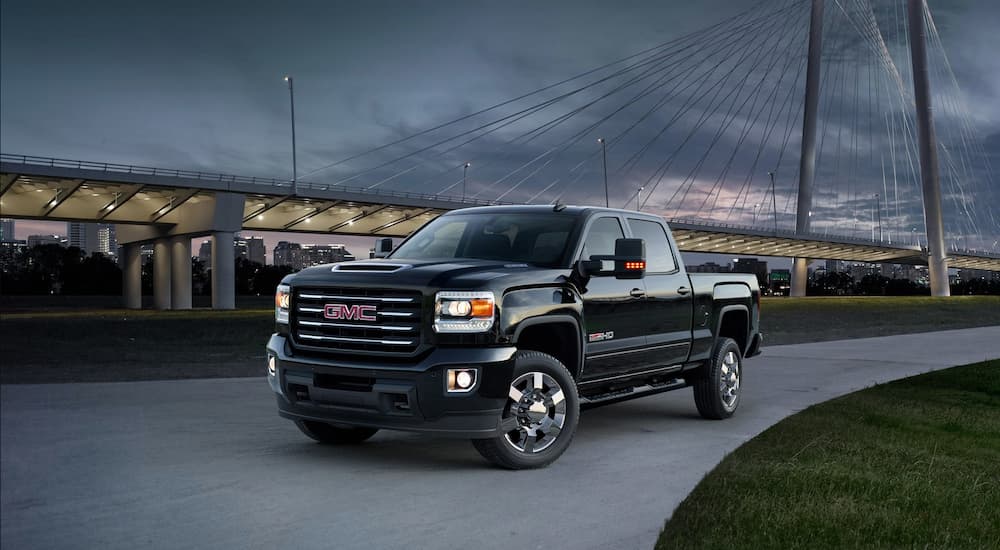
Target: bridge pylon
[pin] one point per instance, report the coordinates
(937, 260)
(807, 160)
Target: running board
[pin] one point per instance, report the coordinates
(625, 394)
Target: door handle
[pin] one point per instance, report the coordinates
(637, 293)
(683, 291)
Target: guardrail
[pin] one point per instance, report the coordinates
(230, 178)
(840, 238)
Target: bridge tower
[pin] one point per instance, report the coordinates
(929, 175)
(807, 160)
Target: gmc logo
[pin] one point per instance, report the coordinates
(355, 312)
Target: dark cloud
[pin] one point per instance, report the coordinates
(198, 86)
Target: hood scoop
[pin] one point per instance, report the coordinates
(369, 267)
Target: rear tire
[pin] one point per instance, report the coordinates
(334, 435)
(540, 416)
(717, 393)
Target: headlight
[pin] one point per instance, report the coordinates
(282, 298)
(461, 311)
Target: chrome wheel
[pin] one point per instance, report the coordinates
(536, 412)
(729, 380)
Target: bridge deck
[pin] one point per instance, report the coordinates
(63, 190)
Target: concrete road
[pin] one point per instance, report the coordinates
(208, 463)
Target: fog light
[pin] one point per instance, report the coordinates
(461, 380)
(271, 368)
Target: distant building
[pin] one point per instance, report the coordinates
(708, 267)
(290, 254)
(251, 249)
(754, 266)
(205, 254)
(6, 230)
(858, 271)
(318, 254)
(973, 274)
(834, 266)
(35, 240)
(107, 239)
(9, 249)
(93, 237)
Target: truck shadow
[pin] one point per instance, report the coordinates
(411, 452)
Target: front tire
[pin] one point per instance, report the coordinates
(334, 435)
(540, 416)
(717, 393)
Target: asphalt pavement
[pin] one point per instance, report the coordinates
(209, 464)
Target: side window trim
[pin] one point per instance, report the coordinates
(666, 236)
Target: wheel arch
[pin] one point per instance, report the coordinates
(734, 322)
(549, 334)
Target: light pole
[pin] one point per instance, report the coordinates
(913, 233)
(291, 100)
(878, 208)
(774, 202)
(604, 158)
(637, 195)
(755, 207)
(465, 172)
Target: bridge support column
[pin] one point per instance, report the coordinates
(807, 161)
(180, 273)
(800, 275)
(223, 271)
(132, 275)
(161, 274)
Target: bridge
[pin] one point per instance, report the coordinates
(701, 129)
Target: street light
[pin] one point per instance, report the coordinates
(291, 99)
(637, 195)
(774, 202)
(878, 208)
(755, 208)
(465, 171)
(604, 157)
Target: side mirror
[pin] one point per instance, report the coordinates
(630, 258)
(382, 248)
(629, 261)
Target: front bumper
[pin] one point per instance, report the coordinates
(394, 396)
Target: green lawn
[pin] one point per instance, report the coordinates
(112, 345)
(798, 320)
(910, 464)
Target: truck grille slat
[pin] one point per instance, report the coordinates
(353, 298)
(357, 340)
(356, 320)
(344, 325)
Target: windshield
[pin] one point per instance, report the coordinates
(538, 239)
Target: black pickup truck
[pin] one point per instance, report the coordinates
(499, 323)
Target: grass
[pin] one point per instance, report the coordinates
(798, 320)
(909, 464)
(112, 345)
(56, 343)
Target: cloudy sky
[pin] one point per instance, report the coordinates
(196, 85)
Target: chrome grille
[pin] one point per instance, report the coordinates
(356, 319)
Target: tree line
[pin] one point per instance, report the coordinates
(55, 269)
(873, 284)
